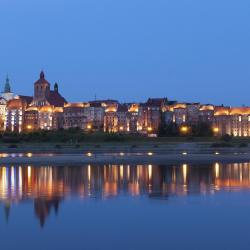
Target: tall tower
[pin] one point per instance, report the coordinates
(41, 90)
(7, 88)
(7, 94)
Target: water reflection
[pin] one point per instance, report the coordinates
(47, 186)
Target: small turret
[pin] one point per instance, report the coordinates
(56, 87)
(42, 76)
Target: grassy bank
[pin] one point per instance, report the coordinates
(74, 140)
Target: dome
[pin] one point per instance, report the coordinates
(42, 79)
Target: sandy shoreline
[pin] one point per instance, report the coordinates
(162, 159)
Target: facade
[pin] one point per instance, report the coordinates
(232, 121)
(193, 113)
(180, 113)
(31, 119)
(133, 115)
(123, 118)
(150, 115)
(111, 119)
(14, 121)
(74, 116)
(206, 114)
(95, 114)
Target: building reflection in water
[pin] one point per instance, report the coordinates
(47, 186)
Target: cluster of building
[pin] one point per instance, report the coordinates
(49, 110)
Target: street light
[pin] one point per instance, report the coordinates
(150, 129)
(216, 130)
(29, 127)
(184, 129)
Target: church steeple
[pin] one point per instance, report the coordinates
(7, 88)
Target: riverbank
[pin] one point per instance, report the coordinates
(122, 153)
(150, 158)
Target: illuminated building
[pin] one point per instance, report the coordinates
(123, 118)
(180, 114)
(96, 111)
(31, 119)
(111, 119)
(74, 116)
(43, 111)
(48, 110)
(43, 96)
(193, 111)
(15, 113)
(206, 113)
(149, 119)
(133, 115)
(232, 121)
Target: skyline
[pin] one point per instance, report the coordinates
(129, 51)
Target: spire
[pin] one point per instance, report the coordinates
(42, 76)
(7, 86)
(56, 87)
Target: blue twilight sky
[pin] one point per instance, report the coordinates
(189, 50)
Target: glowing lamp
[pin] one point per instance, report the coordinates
(216, 130)
(150, 129)
(184, 129)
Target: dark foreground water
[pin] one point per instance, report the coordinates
(125, 207)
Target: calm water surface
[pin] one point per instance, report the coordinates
(125, 207)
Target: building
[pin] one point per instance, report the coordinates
(74, 116)
(133, 114)
(150, 115)
(31, 115)
(44, 96)
(16, 107)
(122, 118)
(111, 119)
(179, 113)
(95, 114)
(232, 121)
(193, 113)
(206, 113)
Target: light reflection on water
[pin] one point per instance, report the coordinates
(143, 201)
(48, 185)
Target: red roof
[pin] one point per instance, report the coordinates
(122, 108)
(158, 102)
(56, 99)
(27, 99)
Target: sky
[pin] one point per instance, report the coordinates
(186, 50)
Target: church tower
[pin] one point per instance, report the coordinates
(41, 91)
(7, 94)
(7, 88)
